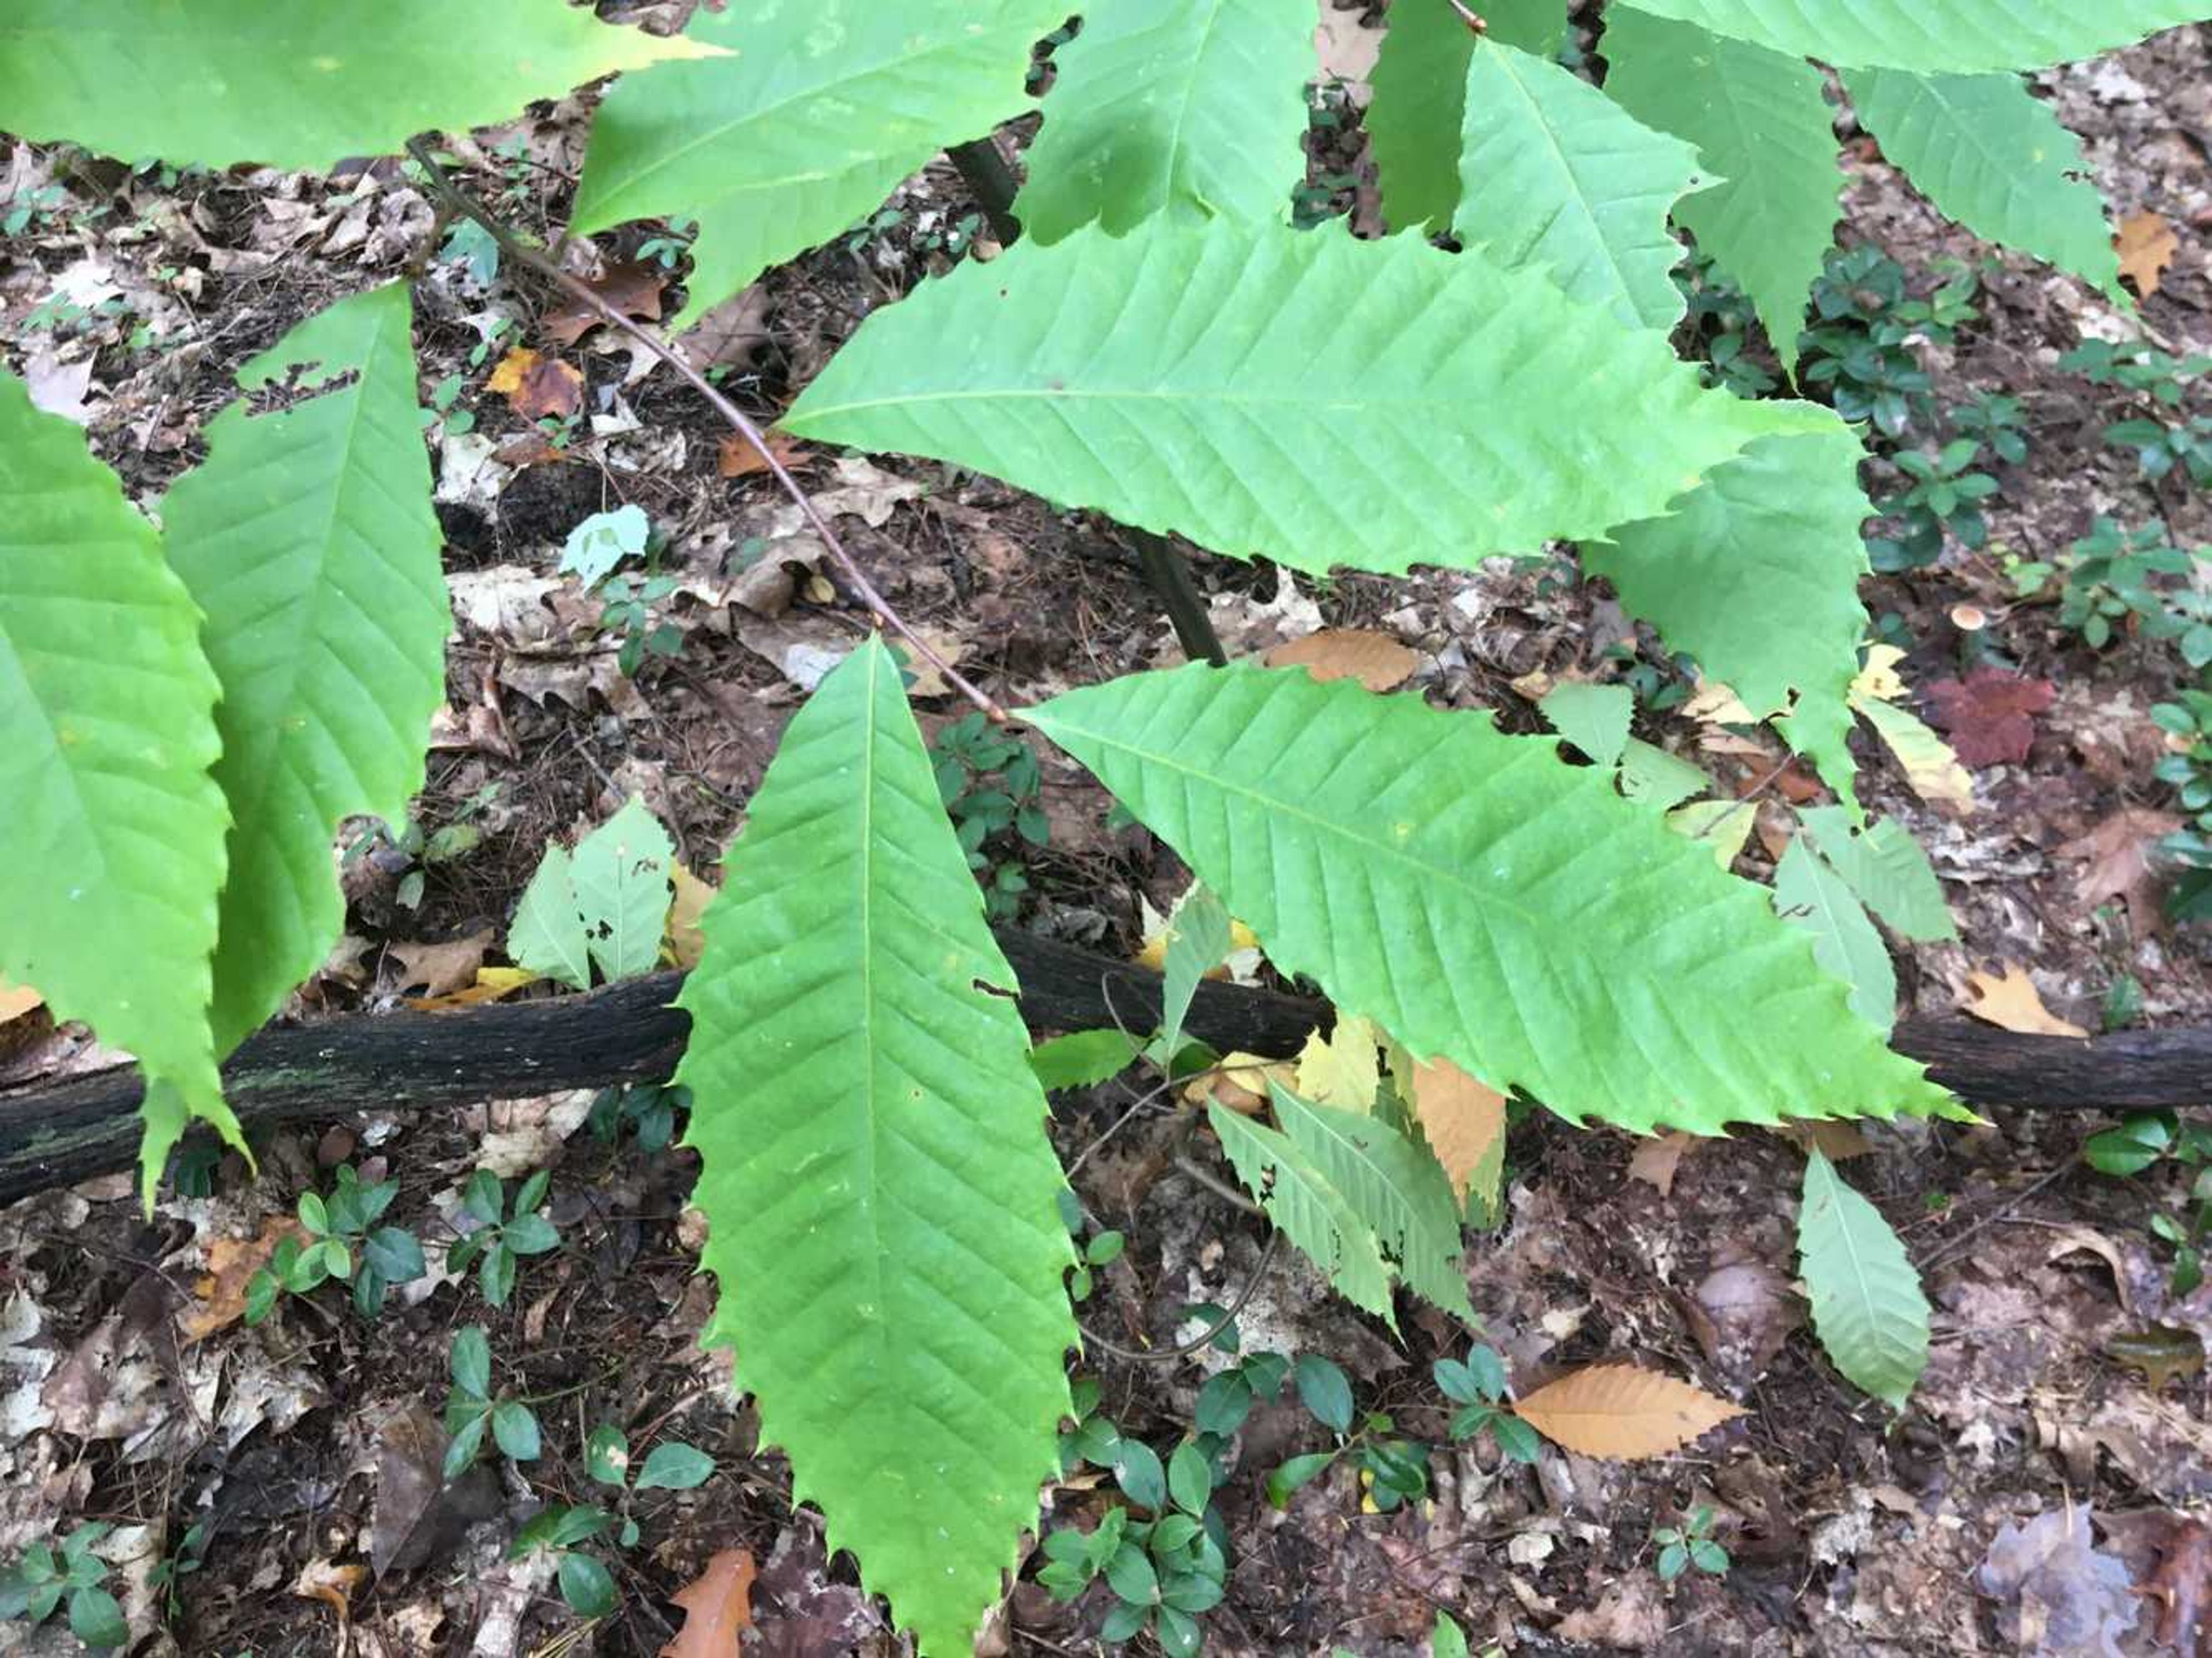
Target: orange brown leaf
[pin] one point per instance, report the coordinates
(1622, 1412)
(535, 386)
(2147, 245)
(219, 1296)
(1375, 659)
(1461, 1117)
(2012, 1002)
(718, 1607)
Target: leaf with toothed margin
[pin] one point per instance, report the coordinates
(1868, 1307)
(881, 1198)
(1484, 900)
(1925, 35)
(111, 838)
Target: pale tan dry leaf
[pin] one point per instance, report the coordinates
(2117, 852)
(1715, 703)
(1240, 1083)
(1622, 1413)
(1834, 1139)
(1461, 1116)
(1929, 766)
(682, 942)
(1375, 659)
(1343, 1069)
(16, 1000)
(536, 385)
(2013, 1003)
(1658, 1158)
(219, 1296)
(718, 1608)
(734, 332)
(2147, 245)
(441, 969)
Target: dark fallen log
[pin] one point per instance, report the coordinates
(67, 1131)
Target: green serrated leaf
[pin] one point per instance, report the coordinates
(1868, 1307)
(1555, 175)
(620, 873)
(1784, 517)
(1198, 940)
(1419, 99)
(817, 114)
(880, 1191)
(548, 937)
(1394, 1185)
(1886, 870)
(1083, 1057)
(1809, 892)
(292, 86)
(1160, 105)
(1991, 155)
(1928, 35)
(1445, 879)
(1761, 121)
(1594, 717)
(1318, 399)
(111, 844)
(1656, 780)
(1311, 1212)
(307, 539)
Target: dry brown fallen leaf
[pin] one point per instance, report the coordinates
(333, 1585)
(631, 286)
(738, 459)
(1622, 1412)
(2118, 854)
(441, 970)
(683, 941)
(1657, 1159)
(493, 984)
(2012, 1002)
(1834, 1139)
(219, 1296)
(1375, 659)
(1460, 1115)
(2147, 245)
(16, 1000)
(718, 1608)
(536, 385)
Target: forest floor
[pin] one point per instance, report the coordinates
(282, 1465)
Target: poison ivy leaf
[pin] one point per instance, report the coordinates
(548, 936)
(813, 117)
(1991, 155)
(1161, 106)
(621, 877)
(222, 81)
(111, 843)
(1311, 1212)
(1867, 1309)
(1552, 172)
(881, 1195)
(1756, 574)
(1394, 1185)
(1484, 900)
(1930, 35)
(308, 542)
(1622, 1412)
(1886, 870)
(1761, 121)
(1316, 399)
(1594, 717)
(1806, 891)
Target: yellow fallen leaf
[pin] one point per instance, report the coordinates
(492, 984)
(1240, 1083)
(16, 1000)
(1153, 952)
(1375, 659)
(1722, 825)
(2013, 1003)
(1930, 766)
(1879, 678)
(1714, 703)
(332, 1584)
(1622, 1412)
(683, 941)
(1461, 1117)
(1343, 1069)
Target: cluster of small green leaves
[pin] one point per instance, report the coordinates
(45, 1578)
(647, 1109)
(507, 1230)
(2145, 1140)
(343, 1241)
(1690, 1545)
(2116, 582)
(989, 782)
(563, 1527)
(2165, 434)
(593, 553)
(412, 853)
(2189, 722)
(1477, 1385)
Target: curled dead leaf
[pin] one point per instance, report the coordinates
(1622, 1413)
(1658, 1158)
(2013, 1003)
(537, 386)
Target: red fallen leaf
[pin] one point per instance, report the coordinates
(535, 386)
(1990, 714)
(633, 289)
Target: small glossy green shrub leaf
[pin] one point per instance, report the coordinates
(1867, 1309)
(1886, 871)
(1159, 105)
(1190, 1479)
(222, 81)
(1438, 876)
(620, 873)
(515, 1429)
(1311, 1212)
(1783, 517)
(1313, 398)
(1298, 1472)
(586, 1585)
(1809, 893)
(606, 1455)
(675, 1467)
(1928, 35)
(1394, 1185)
(1137, 1470)
(307, 539)
(880, 1191)
(1323, 1389)
(2140, 1141)
(112, 839)
(470, 1361)
(95, 1619)
(1553, 174)
(1993, 155)
(814, 117)
(1083, 1058)
(1761, 121)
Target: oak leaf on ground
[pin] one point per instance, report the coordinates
(1990, 714)
(633, 287)
(2118, 865)
(718, 1608)
(2012, 1002)
(2147, 245)
(536, 385)
(219, 1296)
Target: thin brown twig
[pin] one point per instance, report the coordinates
(1168, 1355)
(741, 422)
